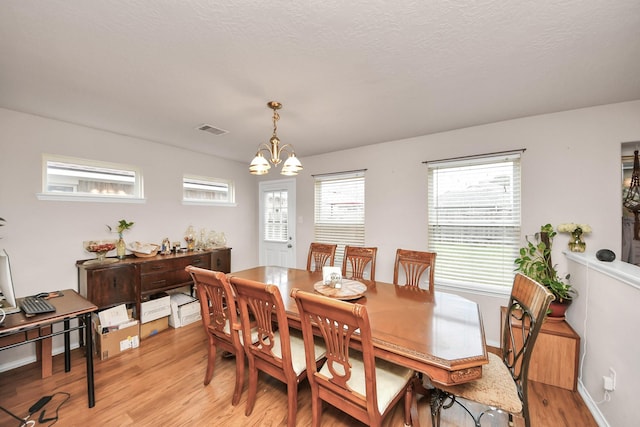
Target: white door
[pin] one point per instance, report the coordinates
(277, 223)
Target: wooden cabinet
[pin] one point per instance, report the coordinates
(555, 357)
(133, 280)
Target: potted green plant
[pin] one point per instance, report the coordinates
(535, 262)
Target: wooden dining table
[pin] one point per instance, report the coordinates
(439, 335)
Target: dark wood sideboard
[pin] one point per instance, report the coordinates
(133, 280)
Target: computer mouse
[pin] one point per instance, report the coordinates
(605, 255)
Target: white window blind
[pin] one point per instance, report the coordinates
(339, 210)
(205, 190)
(474, 219)
(276, 216)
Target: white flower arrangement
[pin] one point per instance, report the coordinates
(572, 227)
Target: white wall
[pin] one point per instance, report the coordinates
(44, 238)
(605, 317)
(570, 173)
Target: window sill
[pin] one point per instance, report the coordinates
(93, 199)
(484, 290)
(201, 203)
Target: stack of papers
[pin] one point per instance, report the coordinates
(115, 318)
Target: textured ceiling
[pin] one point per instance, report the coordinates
(348, 73)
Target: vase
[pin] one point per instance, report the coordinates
(576, 244)
(101, 256)
(121, 248)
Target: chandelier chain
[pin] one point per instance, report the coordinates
(276, 117)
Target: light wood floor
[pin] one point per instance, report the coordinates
(160, 384)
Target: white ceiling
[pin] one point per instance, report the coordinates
(349, 73)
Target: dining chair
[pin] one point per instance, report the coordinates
(356, 382)
(319, 255)
(278, 351)
(504, 380)
(356, 259)
(220, 321)
(414, 264)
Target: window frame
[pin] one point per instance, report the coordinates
(45, 194)
(510, 227)
(231, 191)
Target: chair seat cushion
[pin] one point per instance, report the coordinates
(390, 378)
(298, 358)
(496, 387)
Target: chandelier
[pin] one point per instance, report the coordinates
(260, 166)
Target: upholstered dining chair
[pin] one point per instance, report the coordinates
(319, 255)
(220, 321)
(278, 351)
(414, 264)
(354, 382)
(504, 380)
(356, 259)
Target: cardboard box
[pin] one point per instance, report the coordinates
(155, 309)
(110, 342)
(154, 327)
(184, 310)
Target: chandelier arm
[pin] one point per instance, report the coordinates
(287, 148)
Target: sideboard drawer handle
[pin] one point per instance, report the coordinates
(157, 267)
(197, 261)
(159, 282)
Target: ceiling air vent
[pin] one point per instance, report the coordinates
(213, 130)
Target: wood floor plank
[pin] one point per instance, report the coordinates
(161, 384)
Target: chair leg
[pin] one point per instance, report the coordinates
(439, 402)
(292, 396)
(237, 391)
(316, 407)
(253, 387)
(408, 401)
(211, 360)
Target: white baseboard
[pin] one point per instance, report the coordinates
(12, 364)
(591, 405)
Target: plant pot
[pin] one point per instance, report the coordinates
(557, 309)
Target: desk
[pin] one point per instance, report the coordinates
(441, 336)
(18, 329)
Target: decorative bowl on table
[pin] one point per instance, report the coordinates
(143, 250)
(100, 248)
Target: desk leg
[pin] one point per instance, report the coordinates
(67, 347)
(43, 352)
(89, 356)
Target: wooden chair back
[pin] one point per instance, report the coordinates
(319, 255)
(338, 323)
(414, 264)
(356, 259)
(220, 321)
(272, 351)
(525, 314)
(263, 304)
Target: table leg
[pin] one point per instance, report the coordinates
(67, 346)
(43, 352)
(89, 356)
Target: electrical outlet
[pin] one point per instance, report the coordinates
(610, 380)
(612, 375)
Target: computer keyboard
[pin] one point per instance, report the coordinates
(32, 306)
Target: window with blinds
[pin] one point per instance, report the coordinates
(474, 219)
(205, 190)
(339, 210)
